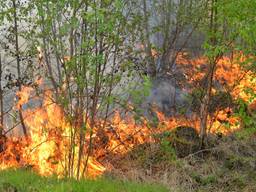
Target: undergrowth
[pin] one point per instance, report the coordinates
(28, 181)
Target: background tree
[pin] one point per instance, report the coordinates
(228, 32)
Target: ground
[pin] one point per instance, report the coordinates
(227, 164)
(27, 181)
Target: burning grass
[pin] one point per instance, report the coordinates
(47, 149)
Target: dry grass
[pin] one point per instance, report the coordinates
(229, 165)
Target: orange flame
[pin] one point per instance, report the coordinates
(47, 147)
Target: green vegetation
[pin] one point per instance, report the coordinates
(27, 181)
(83, 61)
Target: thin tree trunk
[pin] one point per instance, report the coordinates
(204, 111)
(151, 67)
(96, 90)
(2, 137)
(1, 102)
(47, 56)
(18, 62)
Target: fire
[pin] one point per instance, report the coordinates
(23, 96)
(229, 72)
(47, 147)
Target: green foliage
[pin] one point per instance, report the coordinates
(167, 149)
(240, 16)
(165, 140)
(27, 181)
(248, 120)
(195, 98)
(139, 92)
(242, 112)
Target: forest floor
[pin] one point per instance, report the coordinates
(227, 164)
(27, 181)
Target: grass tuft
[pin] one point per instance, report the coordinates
(28, 181)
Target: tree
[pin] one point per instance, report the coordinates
(17, 55)
(84, 46)
(169, 25)
(228, 32)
